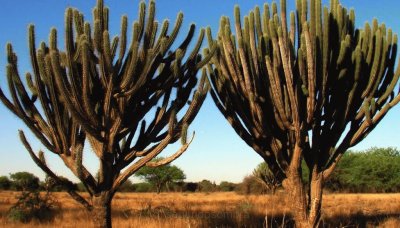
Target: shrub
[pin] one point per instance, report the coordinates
(24, 181)
(126, 187)
(5, 183)
(31, 205)
(250, 185)
(207, 186)
(191, 187)
(226, 186)
(143, 187)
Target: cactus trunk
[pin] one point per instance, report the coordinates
(101, 212)
(297, 198)
(315, 200)
(306, 211)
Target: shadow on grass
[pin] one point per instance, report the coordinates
(250, 219)
(222, 218)
(359, 220)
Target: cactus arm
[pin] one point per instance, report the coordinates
(171, 158)
(39, 162)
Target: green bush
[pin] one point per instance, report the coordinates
(207, 186)
(31, 205)
(143, 187)
(5, 183)
(226, 186)
(375, 170)
(127, 187)
(250, 185)
(24, 181)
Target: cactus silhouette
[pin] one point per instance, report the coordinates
(123, 99)
(305, 88)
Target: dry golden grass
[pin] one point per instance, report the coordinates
(218, 210)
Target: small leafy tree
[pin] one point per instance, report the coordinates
(24, 181)
(266, 177)
(161, 177)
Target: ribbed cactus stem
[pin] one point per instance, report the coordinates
(184, 134)
(41, 157)
(78, 160)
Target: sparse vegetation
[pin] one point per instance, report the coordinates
(375, 170)
(217, 209)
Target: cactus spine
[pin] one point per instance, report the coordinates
(102, 90)
(308, 89)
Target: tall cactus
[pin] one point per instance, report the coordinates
(305, 88)
(129, 101)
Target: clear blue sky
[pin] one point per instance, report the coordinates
(217, 153)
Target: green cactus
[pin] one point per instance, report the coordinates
(100, 89)
(308, 90)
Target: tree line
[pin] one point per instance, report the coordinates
(26, 181)
(375, 170)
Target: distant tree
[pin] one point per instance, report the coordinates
(207, 186)
(5, 183)
(226, 186)
(24, 181)
(126, 187)
(191, 186)
(250, 185)
(266, 177)
(178, 186)
(160, 177)
(142, 187)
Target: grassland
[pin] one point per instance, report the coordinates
(218, 210)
